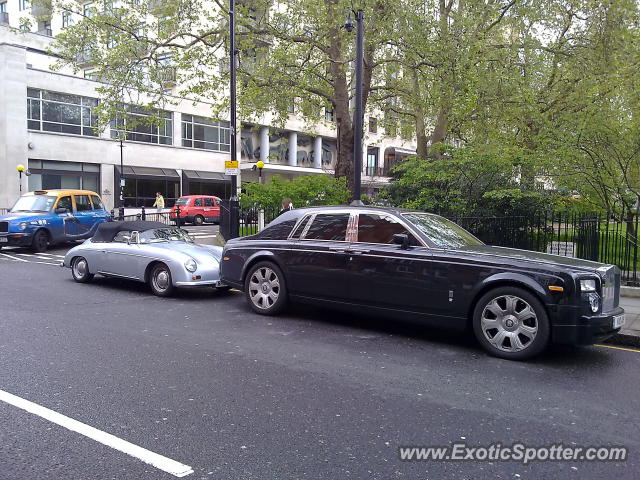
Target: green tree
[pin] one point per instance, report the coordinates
(304, 191)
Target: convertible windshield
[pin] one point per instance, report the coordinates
(34, 203)
(165, 235)
(441, 232)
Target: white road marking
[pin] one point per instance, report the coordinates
(48, 263)
(205, 236)
(163, 463)
(14, 258)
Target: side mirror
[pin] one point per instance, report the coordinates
(134, 238)
(62, 210)
(401, 239)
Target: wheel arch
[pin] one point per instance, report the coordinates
(151, 265)
(507, 280)
(262, 255)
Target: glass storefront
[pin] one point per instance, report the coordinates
(50, 174)
(142, 183)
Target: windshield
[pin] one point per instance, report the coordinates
(165, 235)
(441, 232)
(34, 203)
(183, 201)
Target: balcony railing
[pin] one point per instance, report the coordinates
(375, 171)
(168, 77)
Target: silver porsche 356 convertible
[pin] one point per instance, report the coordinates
(163, 256)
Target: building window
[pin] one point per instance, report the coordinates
(373, 125)
(199, 132)
(23, 4)
(372, 162)
(91, 73)
(67, 19)
(328, 115)
(3, 7)
(60, 112)
(88, 9)
(48, 174)
(140, 126)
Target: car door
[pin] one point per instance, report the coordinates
(84, 215)
(100, 213)
(197, 208)
(383, 274)
(122, 258)
(316, 263)
(209, 209)
(69, 228)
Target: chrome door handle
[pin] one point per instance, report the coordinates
(338, 249)
(358, 252)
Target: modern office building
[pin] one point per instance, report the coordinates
(47, 124)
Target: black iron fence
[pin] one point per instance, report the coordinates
(586, 236)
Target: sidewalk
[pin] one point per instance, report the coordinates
(630, 333)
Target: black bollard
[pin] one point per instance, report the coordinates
(144, 213)
(178, 216)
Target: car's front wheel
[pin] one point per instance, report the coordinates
(40, 241)
(80, 270)
(265, 288)
(160, 281)
(511, 323)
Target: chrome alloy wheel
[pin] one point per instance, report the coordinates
(264, 288)
(509, 323)
(161, 280)
(79, 268)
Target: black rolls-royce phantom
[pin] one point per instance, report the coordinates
(422, 266)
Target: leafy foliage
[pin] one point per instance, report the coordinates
(305, 191)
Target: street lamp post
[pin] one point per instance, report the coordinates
(358, 113)
(234, 205)
(20, 169)
(121, 202)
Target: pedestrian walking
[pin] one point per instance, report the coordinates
(286, 205)
(159, 203)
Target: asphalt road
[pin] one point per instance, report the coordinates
(313, 394)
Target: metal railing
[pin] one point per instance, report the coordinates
(586, 236)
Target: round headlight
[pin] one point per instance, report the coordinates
(191, 265)
(23, 225)
(594, 302)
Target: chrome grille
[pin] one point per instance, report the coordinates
(610, 287)
(4, 227)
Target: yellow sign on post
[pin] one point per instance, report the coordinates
(231, 167)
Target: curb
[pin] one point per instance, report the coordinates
(624, 339)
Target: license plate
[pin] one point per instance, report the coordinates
(618, 321)
(4, 240)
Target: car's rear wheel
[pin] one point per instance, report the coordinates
(80, 270)
(198, 220)
(511, 323)
(40, 241)
(265, 288)
(160, 281)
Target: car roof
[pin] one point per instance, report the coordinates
(192, 196)
(363, 208)
(107, 230)
(62, 191)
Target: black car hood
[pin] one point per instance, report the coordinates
(531, 256)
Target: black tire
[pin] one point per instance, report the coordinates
(40, 241)
(160, 281)
(272, 300)
(198, 220)
(519, 330)
(80, 270)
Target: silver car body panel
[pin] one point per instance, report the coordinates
(131, 261)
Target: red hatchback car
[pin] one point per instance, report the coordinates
(197, 209)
